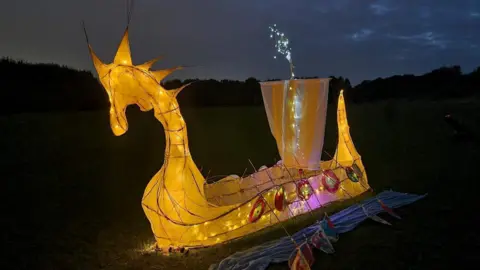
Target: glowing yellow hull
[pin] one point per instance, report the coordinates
(223, 214)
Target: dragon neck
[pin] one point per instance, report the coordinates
(176, 138)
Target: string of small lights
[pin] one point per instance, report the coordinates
(282, 44)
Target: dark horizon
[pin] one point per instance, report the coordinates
(173, 77)
(51, 87)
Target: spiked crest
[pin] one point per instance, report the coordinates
(123, 57)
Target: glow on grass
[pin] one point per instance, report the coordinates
(146, 248)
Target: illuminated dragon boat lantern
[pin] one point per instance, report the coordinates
(182, 209)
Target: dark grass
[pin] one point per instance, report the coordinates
(71, 191)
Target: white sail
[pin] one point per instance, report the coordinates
(297, 111)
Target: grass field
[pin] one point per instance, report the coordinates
(71, 190)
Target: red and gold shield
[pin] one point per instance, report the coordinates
(257, 210)
(330, 181)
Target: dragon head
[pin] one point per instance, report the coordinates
(128, 84)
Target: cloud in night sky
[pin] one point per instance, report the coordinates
(359, 39)
(425, 39)
(363, 34)
(381, 8)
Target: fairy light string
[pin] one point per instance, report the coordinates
(282, 44)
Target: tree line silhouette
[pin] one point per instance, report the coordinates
(27, 87)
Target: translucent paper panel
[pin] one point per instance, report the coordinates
(297, 111)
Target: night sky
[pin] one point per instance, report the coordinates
(230, 39)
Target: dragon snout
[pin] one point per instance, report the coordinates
(118, 122)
